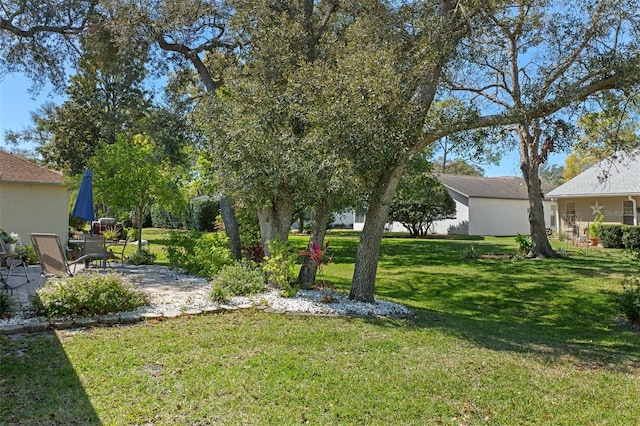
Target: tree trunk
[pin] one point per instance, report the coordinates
(140, 214)
(530, 160)
(275, 222)
(231, 226)
(307, 275)
(364, 274)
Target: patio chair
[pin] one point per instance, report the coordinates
(116, 250)
(53, 261)
(10, 260)
(95, 248)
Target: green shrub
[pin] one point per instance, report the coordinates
(631, 237)
(237, 279)
(629, 300)
(524, 243)
(611, 236)
(143, 257)
(6, 304)
(87, 295)
(197, 253)
(203, 213)
(162, 218)
(280, 266)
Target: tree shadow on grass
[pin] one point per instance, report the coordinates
(552, 317)
(39, 385)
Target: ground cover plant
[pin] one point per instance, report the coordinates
(495, 340)
(87, 295)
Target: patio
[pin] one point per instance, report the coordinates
(171, 293)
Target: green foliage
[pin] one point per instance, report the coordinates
(197, 253)
(611, 235)
(524, 243)
(6, 304)
(249, 228)
(142, 257)
(161, 218)
(203, 213)
(420, 199)
(594, 227)
(470, 253)
(237, 279)
(87, 295)
(631, 237)
(280, 265)
(629, 300)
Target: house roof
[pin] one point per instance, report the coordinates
(505, 187)
(14, 168)
(619, 177)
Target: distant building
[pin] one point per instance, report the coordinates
(484, 206)
(610, 188)
(32, 198)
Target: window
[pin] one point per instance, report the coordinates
(570, 213)
(627, 212)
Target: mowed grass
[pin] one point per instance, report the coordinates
(495, 341)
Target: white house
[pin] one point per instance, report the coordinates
(32, 198)
(484, 206)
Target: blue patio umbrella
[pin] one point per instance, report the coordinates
(84, 203)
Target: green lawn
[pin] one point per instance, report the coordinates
(495, 341)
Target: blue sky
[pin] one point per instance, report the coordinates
(17, 104)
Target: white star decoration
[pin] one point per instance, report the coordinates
(597, 209)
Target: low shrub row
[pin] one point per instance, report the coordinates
(620, 236)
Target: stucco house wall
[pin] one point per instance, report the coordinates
(32, 199)
(610, 188)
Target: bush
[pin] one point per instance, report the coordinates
(162, 218)
(524, 243)
(630, 299)
(6, 304)
(198, 254)
(280, 267)
(611, 236)
(88, 295)
(631, 237)
(143, 257)
(203, 214)
(238, 279)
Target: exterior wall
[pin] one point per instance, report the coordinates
(459, 225)
(28, 208)
(483, 216)
(586, 210)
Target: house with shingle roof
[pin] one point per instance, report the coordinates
(485, 206)
(490, 206)
(32, 198)
(610, 188)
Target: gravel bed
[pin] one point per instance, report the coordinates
(171, 291)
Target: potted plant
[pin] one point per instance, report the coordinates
(11, 241)
(594, 230)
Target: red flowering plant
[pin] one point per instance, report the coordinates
(318, 255)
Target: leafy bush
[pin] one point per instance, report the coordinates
(198, 254)
(162, 218)
(143, 257)
(280, 266)
(629, 300)
(203, 214)
(631, 237)
(88, 295)
(6, 304)
(238, 279)
(611, 236)
(524, 243)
